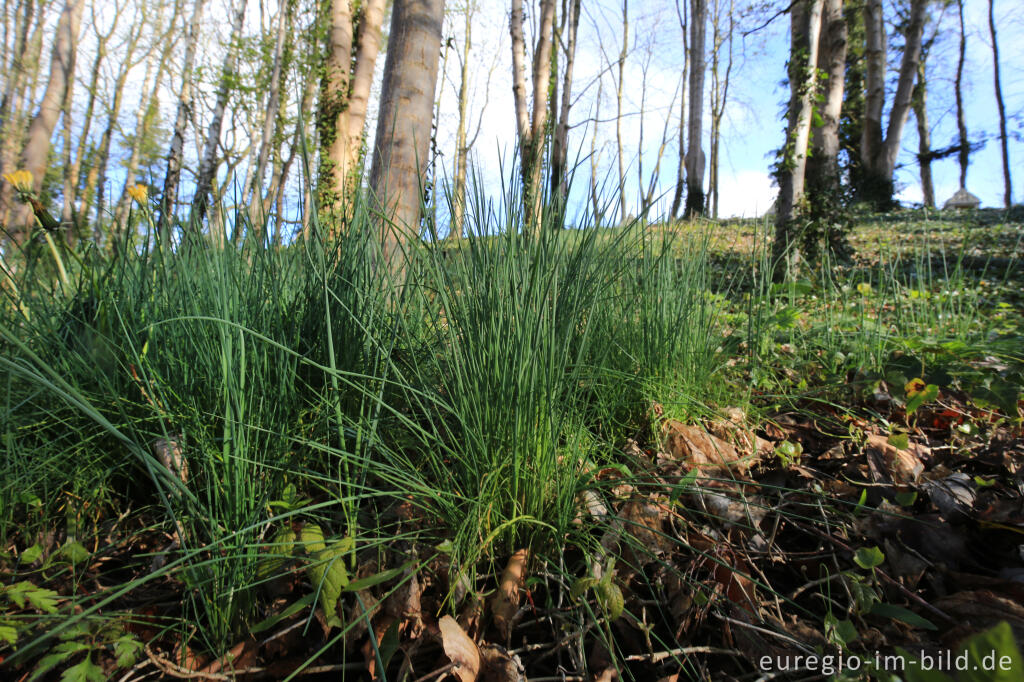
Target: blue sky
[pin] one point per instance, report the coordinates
(753, 127)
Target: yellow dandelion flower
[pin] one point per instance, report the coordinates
(21, 179)
(139, 192)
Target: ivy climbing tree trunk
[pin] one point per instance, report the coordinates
(531, 126)
(824, 192)
(805, 17)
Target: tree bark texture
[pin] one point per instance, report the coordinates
(402, 146)
(694, 153)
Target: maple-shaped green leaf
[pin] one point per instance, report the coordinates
(127, 650)
(86, 671)
(8, 634)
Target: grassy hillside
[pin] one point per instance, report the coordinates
(620, 450)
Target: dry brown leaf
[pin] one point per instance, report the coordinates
(697, 448)
(460, 649)
(500, 666)
(905, 466)
(404, 604)
(505, 602)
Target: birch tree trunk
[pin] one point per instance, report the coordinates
(1007, 184)
(186, 100)
(402, 142)
(62, 72)
(694, 153)
(210, 161)
(530, 126)
(805, 16)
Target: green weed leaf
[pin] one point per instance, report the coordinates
(32, 554)
(8, 634)
(127, 650)
(86, 671)
(75, 552)
(868, 557)
(902, 614)
(329, 576)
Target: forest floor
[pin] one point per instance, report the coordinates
(850, 520)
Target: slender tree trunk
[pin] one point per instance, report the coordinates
(36, 153)
(461, 133)
(719, 97)
(924, 136)
(964, 155)
(186, 101)
(12, 105)
(96, 178)
(595, 157)
(531, 126)
(209, 163)
(560, 139)
(806, 17)
(677, 198)
(1007, 185)
(344, 98)
(694, 153)
(402, 142)
(149, 109)
(822, 175)
(618, 112)
(878, 153)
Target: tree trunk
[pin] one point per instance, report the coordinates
(677, 198)
(822, 176)
(964, 155)
(402, 142)
(344, 97)
(149, 110)
(186, 100)
(531, 127)
(560, 138)
(36, 153)
(209, 163)
(878, 153)
(621, 156)
(694, 152)
(924, 136)
(719, 97)
(254, 187)
(806, 17)
(1007, 185)
(461, 132)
